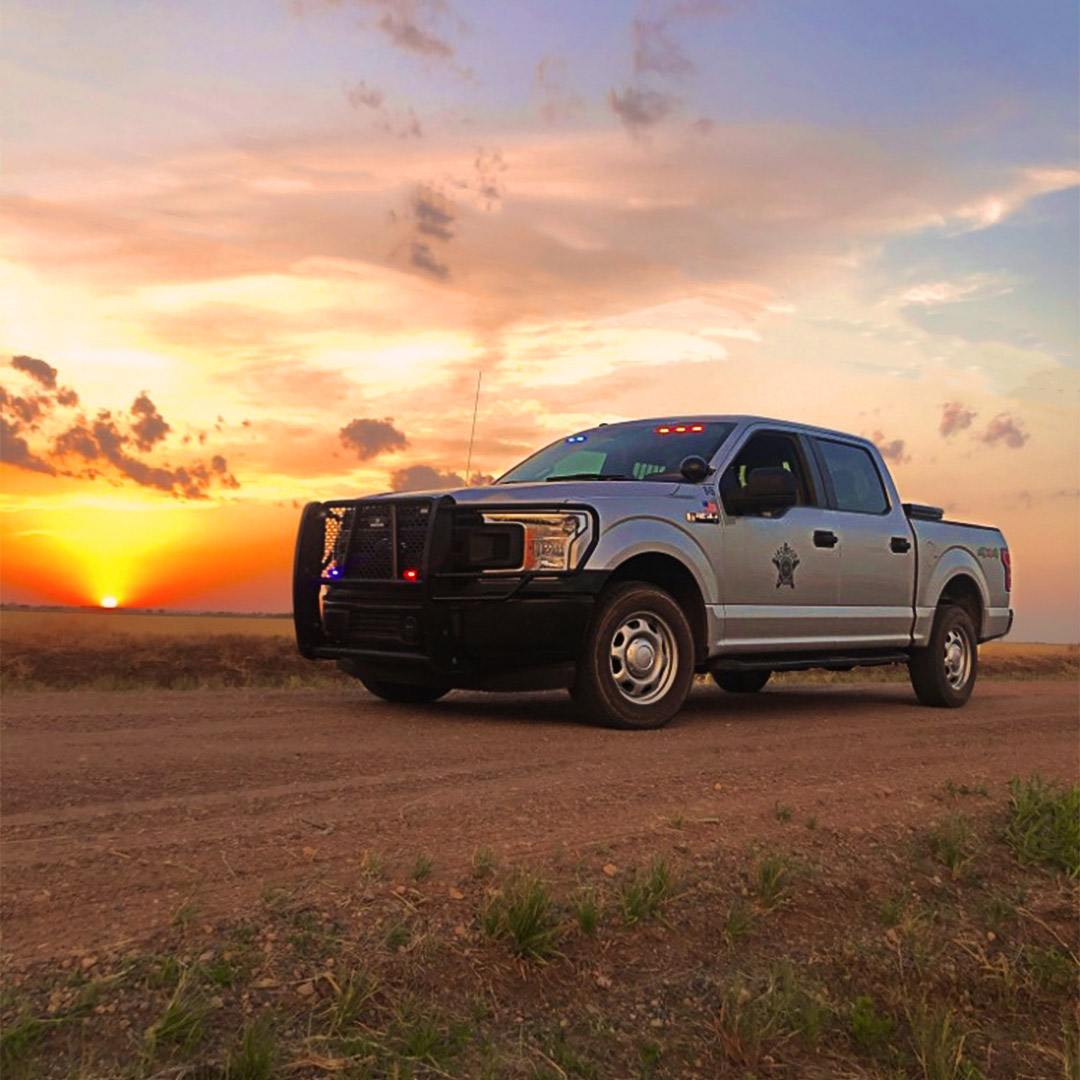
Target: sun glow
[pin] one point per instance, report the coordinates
(108, 601)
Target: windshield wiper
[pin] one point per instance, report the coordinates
(587, 476)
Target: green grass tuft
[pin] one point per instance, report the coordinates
(647, 890)
(586, 907)
(772, 882)
(256, 1055)
(524, 915)
(1044, 823)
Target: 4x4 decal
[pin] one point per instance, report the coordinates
(785, 560)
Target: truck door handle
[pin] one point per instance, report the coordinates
(824, 538)
(900, 544)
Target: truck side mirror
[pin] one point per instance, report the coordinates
(694, 469)
(767, 488)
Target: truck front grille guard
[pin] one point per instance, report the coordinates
(374, 541)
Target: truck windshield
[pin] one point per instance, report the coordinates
(622, 452)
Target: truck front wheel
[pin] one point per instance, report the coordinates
(637, 664)
(943, 674)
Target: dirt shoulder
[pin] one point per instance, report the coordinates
(119, 810)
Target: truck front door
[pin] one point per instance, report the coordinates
(779, 574)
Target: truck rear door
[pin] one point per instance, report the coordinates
(875, 543)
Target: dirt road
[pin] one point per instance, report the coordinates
(122, 811)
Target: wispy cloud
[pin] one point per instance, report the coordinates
(972, 287)
(639, 108)
(954, 417)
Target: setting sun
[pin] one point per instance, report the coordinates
(108, 601)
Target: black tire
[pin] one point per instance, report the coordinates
(637, 663)
(741, 682)
(943, 674)
(405, 693)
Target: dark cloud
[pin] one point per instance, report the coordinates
(1004, 429)
(36, 369)
(420, 255)
(15, 450)
(433, 213)
(891, 449)
(369, 438)
(402, 29)
(638, 109)
(423, 478)
(401, 123)
(655, 51)
(954, 417)
(106, 446)
(149, 427)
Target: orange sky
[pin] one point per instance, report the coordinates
(238, 279)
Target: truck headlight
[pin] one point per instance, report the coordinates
(554, 539)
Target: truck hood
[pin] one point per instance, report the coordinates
(557, 493)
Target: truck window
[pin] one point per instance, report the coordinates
(856, 484)
(768, 449)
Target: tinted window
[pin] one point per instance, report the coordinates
(767, 449)
(855, 480)
(623, 451)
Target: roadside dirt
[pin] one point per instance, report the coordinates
(122, 811)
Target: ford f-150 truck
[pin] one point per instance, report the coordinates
(620, 561)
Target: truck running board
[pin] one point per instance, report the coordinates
(804, 662)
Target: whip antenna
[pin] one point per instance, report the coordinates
(472, 434)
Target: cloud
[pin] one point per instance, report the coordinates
(410, 25)
(401, 123)
(284, 381)
(655, 51)
(1004, 429)
(421, 256)
(150, 427)
(954, 417)
(15, 450)
(108, 446)
(974, 286)
(638, 109)
(558, 102)
(37, 370)
(891, 449)
(423, 478)
(369, 438)
(433, 213)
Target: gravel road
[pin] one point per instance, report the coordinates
(121, 809)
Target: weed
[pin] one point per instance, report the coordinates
(372, 866)
(949, 842)
(586, 906)
(185, 914)
(939, 1045)
(870, 1030)
(650, 1055)
(220, 972)
(525, 915)
(423, 867)
(772, 882)
(996, 911)
(955, 790)
(775, 1007)
(166, 973)
(891, 909)
(256, 1055)
(180, 1025)
(738, 922)
(398, 936)
(811, 822)
(677, 821)
(1051, 967)
(18, 1041)
(568, 1060)
(782, 812)
(483, 862)
(1044, 823)
(420, 1033)
(346, 1008)
(646, 891)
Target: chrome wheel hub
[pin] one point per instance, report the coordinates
(644, 658)
(957, 659)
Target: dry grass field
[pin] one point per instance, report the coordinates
(110, 650)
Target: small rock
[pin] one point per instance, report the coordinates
(991, 936)
(657, 1023)
(305, 989)
(603, 981)
(207, 956)
(87, 962)
(718, 786)
(610, 869)
(456, 894)
(217, 1003)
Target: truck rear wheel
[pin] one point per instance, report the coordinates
(741, 682)
(637, 664)
(943, 674)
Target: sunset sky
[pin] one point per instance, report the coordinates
(255, 253)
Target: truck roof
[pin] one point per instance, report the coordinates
(731, 418)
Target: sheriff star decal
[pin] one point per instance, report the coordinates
(785, 560)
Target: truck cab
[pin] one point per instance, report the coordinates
(621, 560)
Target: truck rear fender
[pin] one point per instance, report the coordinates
(652, 550)
(956, 578)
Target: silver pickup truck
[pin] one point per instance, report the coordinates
(620, 561)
